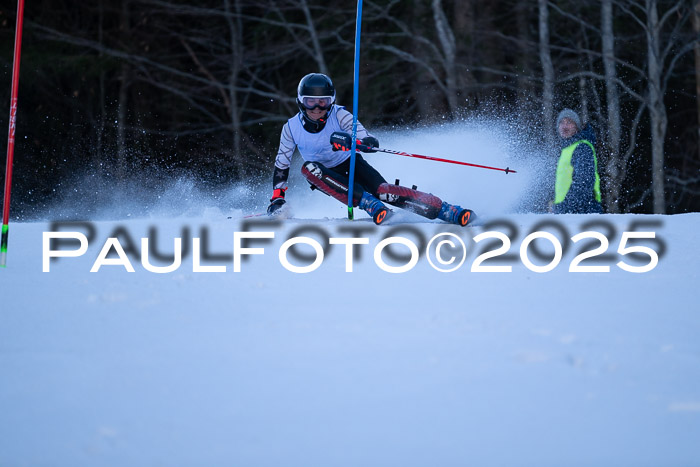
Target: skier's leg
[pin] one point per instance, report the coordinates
(336, 185)
(455, 214)
(365, 174)
(330, 182)
(424, 204)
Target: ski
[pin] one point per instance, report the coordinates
(283, 213)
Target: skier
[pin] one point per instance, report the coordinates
(321, 132)
(577, 186)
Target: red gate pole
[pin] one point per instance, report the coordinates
(11, 134)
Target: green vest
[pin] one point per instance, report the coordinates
(565, 172)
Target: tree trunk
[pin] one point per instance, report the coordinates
(525, 88)
(696, 29)
(313, 32)
(657, 108)
(548, 77)
(236, 41)
(99, 150)
(428, 97)
(447, 42)
(613, 106)
(123, 103)
(462, 17)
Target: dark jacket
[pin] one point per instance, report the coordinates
(580, 198)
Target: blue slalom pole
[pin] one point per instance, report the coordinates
(355, 105)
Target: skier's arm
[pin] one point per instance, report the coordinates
(281, 173)
(345, 120)
(283, 159)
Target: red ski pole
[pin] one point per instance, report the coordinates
(401, 153)
(11, 134)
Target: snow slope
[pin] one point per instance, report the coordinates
(266, 367)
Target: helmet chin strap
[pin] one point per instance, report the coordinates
(314, 126)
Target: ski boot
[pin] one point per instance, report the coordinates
(455, 214)
(374, 208)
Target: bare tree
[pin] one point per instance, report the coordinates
(449, 52)
(663, 35)
(664, 47)
(657, 107)
(99, 147)
(123, 102)
(435, 61)
(235, 30)
(613, 107)
(547, 74)
(314, 36)
(696, 30)
(524, 71)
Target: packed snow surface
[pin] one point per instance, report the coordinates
(270, 367)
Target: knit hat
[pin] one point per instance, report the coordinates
(570, 114)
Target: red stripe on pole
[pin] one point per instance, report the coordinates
(12, 125)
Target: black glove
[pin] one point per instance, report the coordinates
(277, 201)
(370, 142)
(341, 141)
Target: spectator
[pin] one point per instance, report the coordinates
(577, 185)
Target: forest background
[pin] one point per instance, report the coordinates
(113, 92)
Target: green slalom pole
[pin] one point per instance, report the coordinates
(3, 245)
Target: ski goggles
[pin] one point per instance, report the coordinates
(317, 102)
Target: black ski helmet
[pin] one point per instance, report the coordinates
(314, 84)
